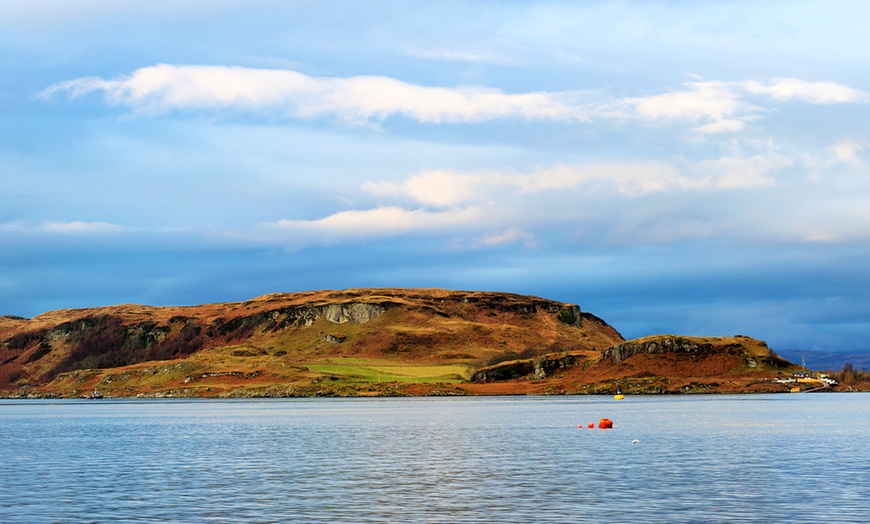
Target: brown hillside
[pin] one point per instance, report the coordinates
(655, 364)
(366, 342)
(692, 364)
(371, 341)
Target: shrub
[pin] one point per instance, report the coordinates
(567, 316)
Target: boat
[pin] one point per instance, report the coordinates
(619, 395)
(94, 396)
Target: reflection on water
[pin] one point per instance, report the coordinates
(760, 458)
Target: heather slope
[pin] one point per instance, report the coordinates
(367, 342)
(649, 365)
(330, 342)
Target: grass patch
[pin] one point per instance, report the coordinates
(354, 370)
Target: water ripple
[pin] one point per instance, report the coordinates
(671, 459)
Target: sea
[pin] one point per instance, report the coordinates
(702, 458)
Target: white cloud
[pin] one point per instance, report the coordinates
(710, 106)
(442, 188)
(454, 55)
(79, 227)
(439, 188)
(73, 227)
(724, 105)
(13, 227)
(628, 179)
(483, 201)
(848, 152)
(485, 209)
(396, 221)
(738, 172)
(787, 89)
(666, 230)
(722, 126)
(833, 219)
(162, 88)
(713, 101)
(383, 221)
(510, 236)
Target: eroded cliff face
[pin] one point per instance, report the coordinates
(537, 368)
(353, 312)
(657, 346)
(297, 316)
(746, 351)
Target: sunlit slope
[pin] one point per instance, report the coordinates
(329, 342)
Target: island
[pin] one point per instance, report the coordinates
(374, 342)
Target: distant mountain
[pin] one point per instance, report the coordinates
(364, 342)
(827, 360)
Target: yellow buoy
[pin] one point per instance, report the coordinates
(620, 396)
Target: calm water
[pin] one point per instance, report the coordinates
(752, 458)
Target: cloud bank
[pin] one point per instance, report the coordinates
(441, 188)
(715, 106)
(163, 88)
(727, 107)
(495, 208)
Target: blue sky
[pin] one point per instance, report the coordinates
(698, 168)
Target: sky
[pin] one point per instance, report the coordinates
(698, 168)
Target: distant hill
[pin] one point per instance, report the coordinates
(828, 360)
(364, 342)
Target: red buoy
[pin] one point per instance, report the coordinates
(591, 425)
(605, 423)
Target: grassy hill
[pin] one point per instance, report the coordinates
(329, 342)
(363, 342)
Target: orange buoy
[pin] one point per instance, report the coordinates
(605, 423)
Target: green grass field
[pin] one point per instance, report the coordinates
(354, 370)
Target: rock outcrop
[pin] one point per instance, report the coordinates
(538, 368)
(657, 345)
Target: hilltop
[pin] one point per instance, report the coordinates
(364, 342)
